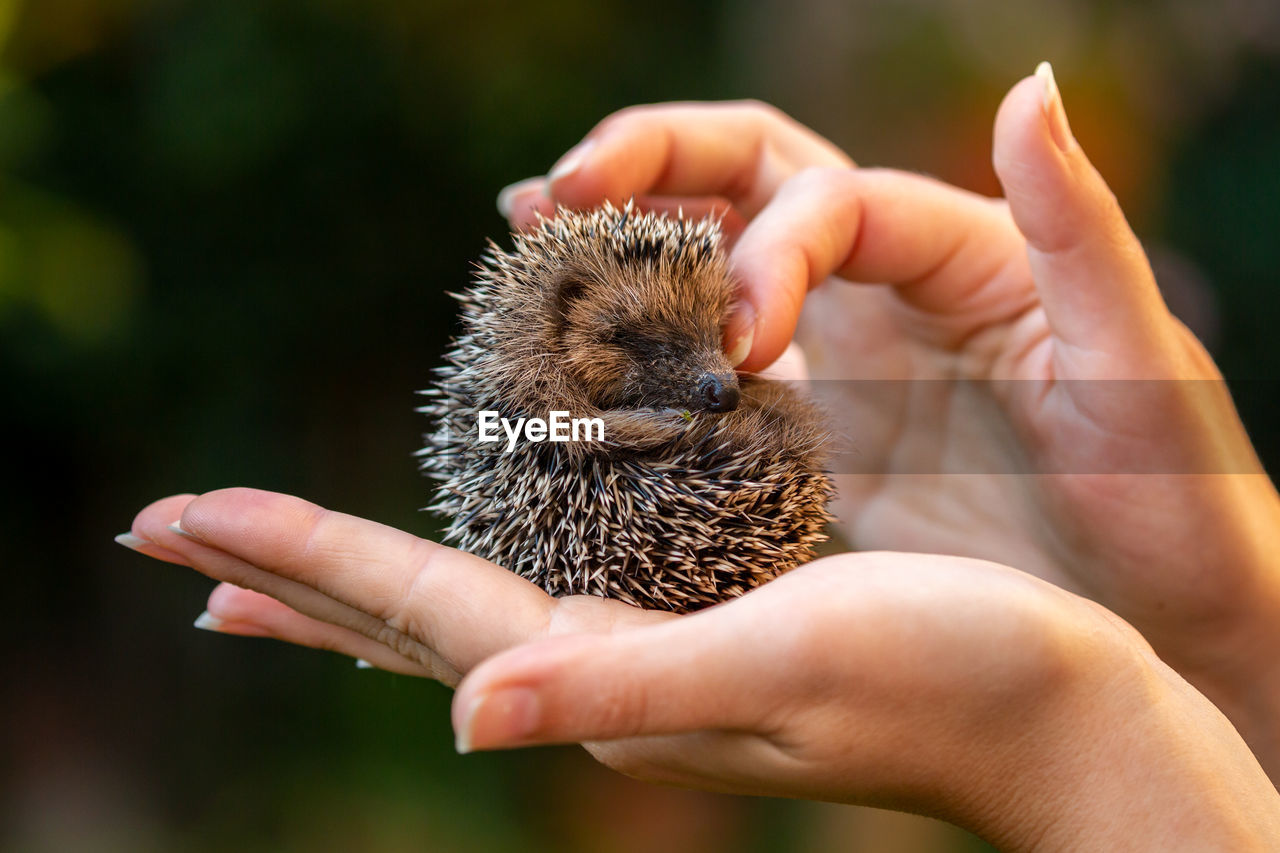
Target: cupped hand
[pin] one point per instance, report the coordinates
(1019, 336)
(942, 685)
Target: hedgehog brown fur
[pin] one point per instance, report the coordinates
(706, 485)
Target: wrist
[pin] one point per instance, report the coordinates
(1241, 677)
(1235, 662)
(1135, 758)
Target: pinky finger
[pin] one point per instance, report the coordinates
(247, 613)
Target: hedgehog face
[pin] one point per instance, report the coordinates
(650, 341)
(617, 313)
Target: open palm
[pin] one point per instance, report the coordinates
(944, 685)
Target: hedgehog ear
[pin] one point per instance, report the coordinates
(568, 291)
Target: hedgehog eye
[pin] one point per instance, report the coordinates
(627, 337)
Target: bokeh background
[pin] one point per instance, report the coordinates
(226, 231)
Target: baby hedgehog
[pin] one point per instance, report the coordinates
(705, 484)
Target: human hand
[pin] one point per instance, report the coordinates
(1142, 492)
(946, 686)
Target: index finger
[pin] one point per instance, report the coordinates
(741, 151)
(953, 256)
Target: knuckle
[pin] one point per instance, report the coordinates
(1040, 651)
(407, 647)
(811, 638)
(823, 181)
(763, 111)
(406, 614)
(327, 643)
(629, 119)
(393, 638)
(620, 710)
(624, 758)
(316, 525)
(438, 670)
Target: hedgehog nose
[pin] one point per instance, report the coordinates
(720, 394)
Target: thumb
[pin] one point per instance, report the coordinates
(1092, 275)
(688, 674)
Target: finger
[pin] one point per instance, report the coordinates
(445, 599)
(705, 671)
(229, 568)
(741, 151)
(135, 539)
(518, 202)
(242, 611)
(1093, 278)
(136, 543)
(791, 366)
(523, 202)
(732, 223)
(684, 675)
(730, 762)
(938, 244)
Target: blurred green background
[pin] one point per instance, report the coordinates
(226, 230)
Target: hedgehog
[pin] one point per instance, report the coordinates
(702, 483)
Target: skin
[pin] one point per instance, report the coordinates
(1145, 496)
(942, 685)
(946, 685)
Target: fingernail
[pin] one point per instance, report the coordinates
(1055, 114)
(128, 540)
(742, 347)
(507, 195)
(361, 663)
(501, 718)
(570, 162)
(742, 317)
(176, 527)
(206, 621)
